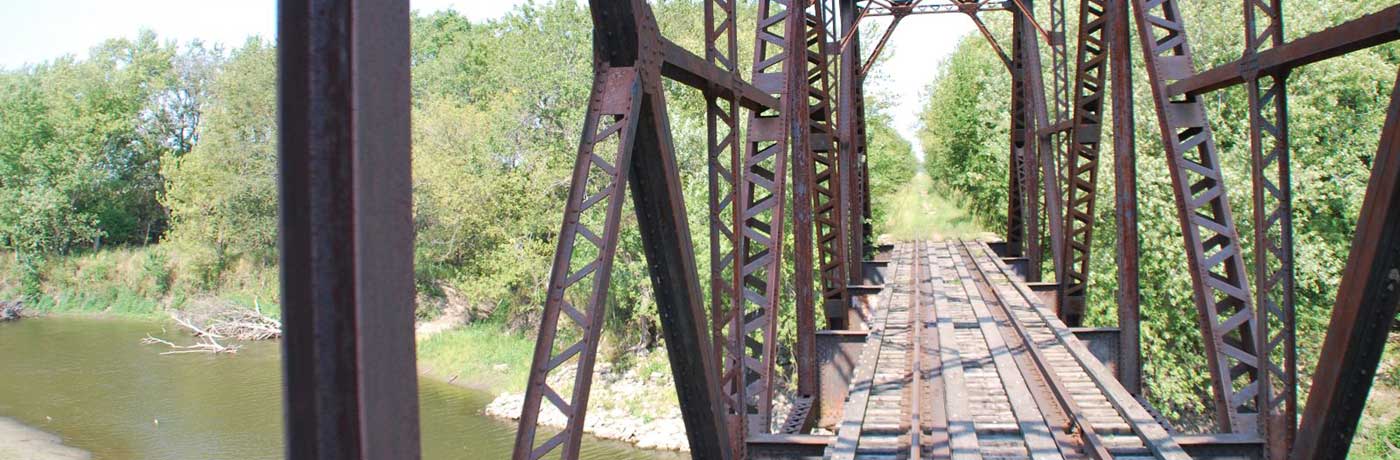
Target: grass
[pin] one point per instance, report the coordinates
(1379, 443)
(916, 213)
(137, 282)
(480, 355)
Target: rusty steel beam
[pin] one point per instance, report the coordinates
(1125, 199)
(1082, 164)
(626, 136)
(346, 239)
(1212, 243)
(685, 67)
(1023, 216)
(849, 155)
(725, 160)
(659, 200)
(583, 261)
(800, 125)
(762, 192)
(1361, 33)
(829, 219)
(1043, 151)
(878, 8)
(1059, 61)
(813, 148)
(1364, 312)
(1275, 339)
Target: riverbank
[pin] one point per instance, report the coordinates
(633, 399)
(21, 442)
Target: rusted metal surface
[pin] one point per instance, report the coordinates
(1082, 163)
(877, 8)
(1361, 33)
(626, 136)
(812, 136)
(1021, 205)
(346, 244)
(1214, 256)
(826, 189)
(681, 65)
(596, 196)
(760, 210)
(1023, 226)
(1366, 304)
(1125, 199)
(1273, 230)
(838, 354)
(1043, 150)
(722, 122)
(849, 154)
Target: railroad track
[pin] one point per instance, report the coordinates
(947, 373)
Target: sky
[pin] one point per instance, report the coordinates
(39, 30)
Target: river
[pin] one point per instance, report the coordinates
(93, 384)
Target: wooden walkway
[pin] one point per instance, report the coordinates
(946, 373)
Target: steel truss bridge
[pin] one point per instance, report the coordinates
(931, 349)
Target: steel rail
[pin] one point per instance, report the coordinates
(1153, 435)
(916, 379)
(1094, 445)
(862, 381)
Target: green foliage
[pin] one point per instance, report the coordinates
(914, 213)
(222, 195)
(497, 109)
(964, 133)
(156, 266)
(1336, 111)
(79, 164)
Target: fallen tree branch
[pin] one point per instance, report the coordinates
(207, 345)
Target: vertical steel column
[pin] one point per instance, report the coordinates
(1273, 230)
(1015, 208)
(1082, 163)
(722, 122)
(799, 125)
(848, 118)
(762, 189)
(809, 112)
(1125, 199)
(1365, 309)
(626, 141)
(346, 230)
(1044, 150)
(1025, 226)
(1059, 69)
(1213, 253)
(831, 241)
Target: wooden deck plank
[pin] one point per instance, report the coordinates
(1029, 418)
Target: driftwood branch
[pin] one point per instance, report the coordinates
(206, 345)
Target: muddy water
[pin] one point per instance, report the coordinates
(93, 384)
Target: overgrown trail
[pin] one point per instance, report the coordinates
(917, 213)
